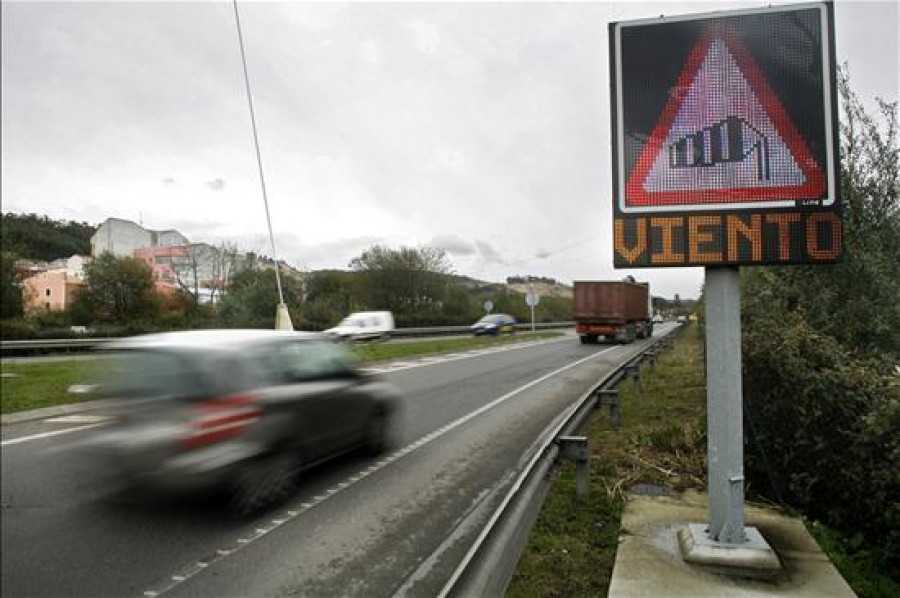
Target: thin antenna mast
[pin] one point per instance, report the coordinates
(282, 308)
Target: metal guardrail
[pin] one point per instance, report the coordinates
(445, 330)
(52, 345)
(490, 563)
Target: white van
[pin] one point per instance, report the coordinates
(365, 325)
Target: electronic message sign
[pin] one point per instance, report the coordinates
(725, 139)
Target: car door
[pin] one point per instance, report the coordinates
(319, 393)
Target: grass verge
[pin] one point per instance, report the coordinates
(862, 567)
(32, 385)
(661, 441)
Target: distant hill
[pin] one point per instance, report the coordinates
(36, 237)
(542, 288)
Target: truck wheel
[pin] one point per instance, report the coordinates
(583, 339)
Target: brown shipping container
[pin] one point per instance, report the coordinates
(611, 300)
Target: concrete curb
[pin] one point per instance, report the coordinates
(46, 412)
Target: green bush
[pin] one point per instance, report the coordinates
(823, 428)
(821, 354)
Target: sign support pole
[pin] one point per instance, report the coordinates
(725, 446)
(725, 543)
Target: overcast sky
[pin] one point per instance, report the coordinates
(479, 128)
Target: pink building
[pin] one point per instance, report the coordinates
(160, 260)
(54, 290)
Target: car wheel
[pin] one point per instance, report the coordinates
(377, 435)
(263, 483)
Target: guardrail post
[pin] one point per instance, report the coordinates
(575, 448)
(633, 371)
(611, 398)
(650, 356)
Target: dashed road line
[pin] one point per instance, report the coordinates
(79, 419)
(397, 366)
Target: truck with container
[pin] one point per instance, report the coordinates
(616, 311)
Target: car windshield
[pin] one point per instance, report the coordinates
(353, 321)
(493, 319)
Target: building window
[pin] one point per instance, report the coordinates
(163, 259)
(47, 293)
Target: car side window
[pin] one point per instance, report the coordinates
(226, 373)
(314, 360)
(149, 374)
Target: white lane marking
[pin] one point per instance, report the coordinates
(79, 419)
(407, 365)
(192, 570)
(48, 434)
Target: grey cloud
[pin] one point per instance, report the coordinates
(169, 181)
(215, 184)
(542, 254)
(454, 245)
(488, 253)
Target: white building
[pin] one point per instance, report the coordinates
(122, 237)
(73, 265)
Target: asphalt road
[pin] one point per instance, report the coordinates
(394, 526)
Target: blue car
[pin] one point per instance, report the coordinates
(495, 324)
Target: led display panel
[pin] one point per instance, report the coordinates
(725, 139)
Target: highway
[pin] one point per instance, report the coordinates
(397, 525)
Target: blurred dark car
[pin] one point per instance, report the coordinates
(245, 410)
(495, 324)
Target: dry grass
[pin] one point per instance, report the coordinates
(661, 441)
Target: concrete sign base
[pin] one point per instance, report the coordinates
(753, 558)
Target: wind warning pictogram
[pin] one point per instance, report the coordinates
(723, 138)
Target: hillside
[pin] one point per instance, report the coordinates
(36, 237)
(543, 289)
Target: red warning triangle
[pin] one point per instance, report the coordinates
(723, 137)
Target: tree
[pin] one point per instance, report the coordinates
(329, 297)
(36, 237)
(118, 289)
(820, 346)
(253, 295)
(203, 269)
(10, 289)
(225, 264)
(408, 281)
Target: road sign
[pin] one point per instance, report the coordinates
(531, 300)
(724, 148)
(488, 305)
